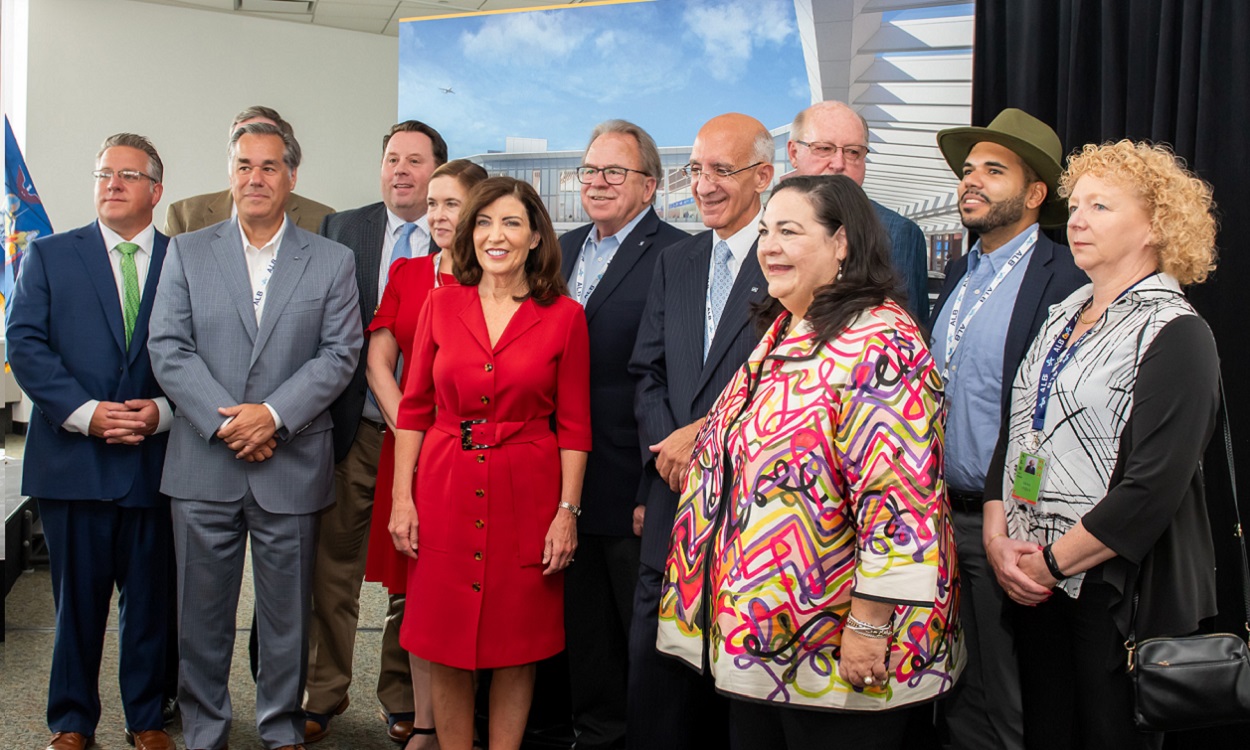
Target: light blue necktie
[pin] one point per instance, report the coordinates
(403, 246)
(722, 283)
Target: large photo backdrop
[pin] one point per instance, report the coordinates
(519, 92)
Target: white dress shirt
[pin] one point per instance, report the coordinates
(740, 243)
(80, 419)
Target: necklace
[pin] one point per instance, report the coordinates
(1085, 307)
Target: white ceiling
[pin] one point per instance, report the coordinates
(372, 16)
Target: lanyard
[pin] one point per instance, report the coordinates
(259, 296)
(955, 330)
(1057, 359)
(600, 253)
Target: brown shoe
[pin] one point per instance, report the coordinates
(153, 739)
(291, 747)
(69, 741)
(317, 726)
(398, 726)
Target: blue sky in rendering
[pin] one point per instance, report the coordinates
(668, 65)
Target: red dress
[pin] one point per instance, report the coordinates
(484, 512)
(408, 284)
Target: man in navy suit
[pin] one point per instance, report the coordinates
(992, 305)
(696, 332)
(608, 265)
(77, 337)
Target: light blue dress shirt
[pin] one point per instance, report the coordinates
(975, 388)
(597, 255)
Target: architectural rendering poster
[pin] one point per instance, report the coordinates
(519, 92)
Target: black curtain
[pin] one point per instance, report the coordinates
(1168, 71)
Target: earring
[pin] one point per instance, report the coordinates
(839, 276)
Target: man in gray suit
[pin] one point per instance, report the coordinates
(255, 331)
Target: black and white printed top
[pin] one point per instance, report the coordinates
(1127, 420)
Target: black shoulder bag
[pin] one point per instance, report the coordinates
(1199, 680)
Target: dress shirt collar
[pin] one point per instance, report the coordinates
(394, 224)
(741, 241)
(275, 242)
(143, 239)
(620, 236)
(999, 257)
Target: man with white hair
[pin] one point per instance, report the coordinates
(831, 138)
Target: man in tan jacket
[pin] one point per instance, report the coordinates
(200, 211)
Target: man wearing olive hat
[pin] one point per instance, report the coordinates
(992, 305)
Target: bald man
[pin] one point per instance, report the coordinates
(696, 332)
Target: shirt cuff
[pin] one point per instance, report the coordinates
(166, 419)
(80, 419)
(277, 421)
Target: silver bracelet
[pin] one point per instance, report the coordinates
(868, 630)
(570, 507)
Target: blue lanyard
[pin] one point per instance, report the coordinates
(1057, 358)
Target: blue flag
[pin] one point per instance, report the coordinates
(24, 217)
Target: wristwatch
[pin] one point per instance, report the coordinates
(570, 507)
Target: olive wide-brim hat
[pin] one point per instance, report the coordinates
(1031, 139)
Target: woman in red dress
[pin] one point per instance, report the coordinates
(391, 332)
(497, 362)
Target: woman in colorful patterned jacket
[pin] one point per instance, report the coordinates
(812, 557)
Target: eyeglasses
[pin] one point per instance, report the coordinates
(852, 154)
(714, 175)
(127, 175)
(611, 175)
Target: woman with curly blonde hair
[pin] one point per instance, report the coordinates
(1112, 408)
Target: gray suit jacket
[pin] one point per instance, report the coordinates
(208, 352)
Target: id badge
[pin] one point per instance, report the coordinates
(1030, 476)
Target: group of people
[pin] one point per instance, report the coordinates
(755, 488)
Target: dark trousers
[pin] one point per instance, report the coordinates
(94, 546)
(670, 705)
(1075, 690)
(983, 709)
(763, 726)
(598, 607)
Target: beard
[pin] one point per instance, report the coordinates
(1002, 213)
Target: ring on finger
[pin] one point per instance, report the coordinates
(869, 680)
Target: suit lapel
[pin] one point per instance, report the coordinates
(372, 237)
(525, 318)
(748, 287)
(474, 320)
(90, 246)
(139, 342)
(287, 271)
(689, 314)
(219, 208)
(627, 256)
(228, 249)
(1037, 276)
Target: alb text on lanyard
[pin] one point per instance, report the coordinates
(955, 330)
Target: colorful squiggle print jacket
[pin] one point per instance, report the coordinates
(836, 487)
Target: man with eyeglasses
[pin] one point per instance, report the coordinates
(695, 333)
(831, 138)
(199, 211)
(77, 338)
(608, 265)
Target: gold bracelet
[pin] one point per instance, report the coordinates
(991, 539)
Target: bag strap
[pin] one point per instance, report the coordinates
(1237, 528)
(1237, 532)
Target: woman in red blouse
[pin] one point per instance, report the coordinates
(391, 333)
(498, 364)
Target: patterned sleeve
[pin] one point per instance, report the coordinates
(889, 443)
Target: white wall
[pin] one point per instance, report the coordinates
(179, 76)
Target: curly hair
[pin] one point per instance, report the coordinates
(1182, 211)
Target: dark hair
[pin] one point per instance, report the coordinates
(416, 126)
(542, 267)
(268, 113)
(867, 274)
(467, 173)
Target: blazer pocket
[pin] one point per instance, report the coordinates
(296, 306)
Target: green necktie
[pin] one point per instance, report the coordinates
(130, 283)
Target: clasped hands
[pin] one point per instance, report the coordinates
(249, 432)
(125, 423)
(1020, 570)
(672, 455)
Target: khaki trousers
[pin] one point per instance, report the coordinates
(339, 572)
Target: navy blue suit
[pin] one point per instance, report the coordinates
(104, 519)
(670, 705)
(599, 589)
